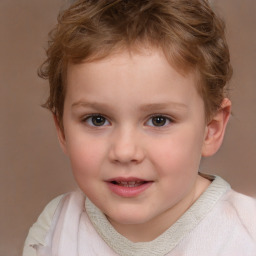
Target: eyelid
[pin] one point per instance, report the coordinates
(168, 118)
(85, 118)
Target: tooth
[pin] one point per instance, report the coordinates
(129, 184)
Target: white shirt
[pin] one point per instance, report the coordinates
(221, 222)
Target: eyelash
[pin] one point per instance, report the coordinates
(165, 118)
(89, 117)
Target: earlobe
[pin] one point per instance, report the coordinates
(60, 134)
(215, 129)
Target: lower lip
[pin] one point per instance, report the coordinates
(128, 191)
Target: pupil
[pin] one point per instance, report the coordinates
(98, 120)
(159, 121)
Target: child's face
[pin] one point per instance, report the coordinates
(134, 132)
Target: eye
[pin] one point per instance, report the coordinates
(96, 120)
(158, 121)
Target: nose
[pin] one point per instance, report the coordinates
(126, 147)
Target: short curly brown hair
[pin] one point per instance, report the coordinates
(189, 33)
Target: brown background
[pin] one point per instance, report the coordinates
(33, 169)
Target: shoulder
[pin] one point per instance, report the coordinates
(38, 231)
(241, 209)
(243, 205)
(237, 200)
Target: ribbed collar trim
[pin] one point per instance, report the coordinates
(172, 236)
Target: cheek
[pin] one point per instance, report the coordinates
(179, 155)
(86, 157)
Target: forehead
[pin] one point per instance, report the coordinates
(127, 78)
(136, 62)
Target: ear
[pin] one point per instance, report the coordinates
(215, 129)
(60, 134)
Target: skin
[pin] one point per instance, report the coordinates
(125, 90)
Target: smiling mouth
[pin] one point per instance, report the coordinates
(129, 184)
(128, 187)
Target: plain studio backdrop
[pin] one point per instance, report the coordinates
(33, 170)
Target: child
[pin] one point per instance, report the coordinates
(137, 91)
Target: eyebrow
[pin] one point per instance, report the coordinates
(145, 108)
(86, 104)
(160, 106)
